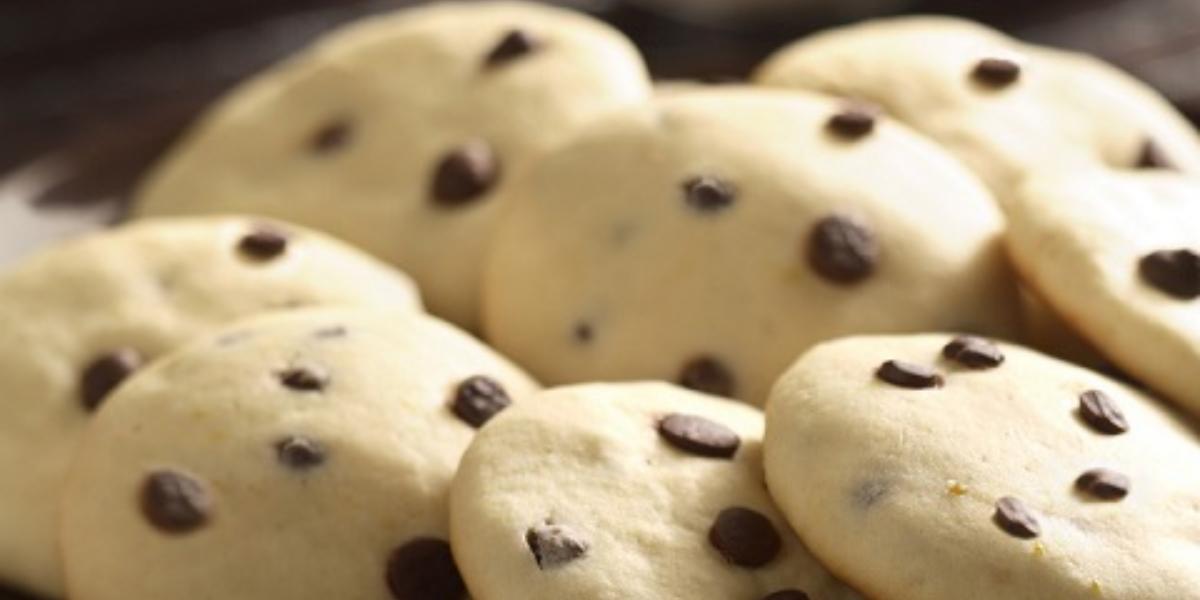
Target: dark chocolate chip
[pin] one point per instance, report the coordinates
(974, 352)
(707, 374)
(424, 569)
(1103, 484)
(1173, 272)
(583, 333)
(707, 194)
(300, 453)
(264, 243)
(464, 174)
(744, 537)
(105, 373)
(842, 249)
(332, 136)
(1100, 412)
(478, 399)
(555, 545)
(1153, 156)
(996, 72)
(304, 379)
(853, 121)
(1015, 519)
(515, 44)
(786, 595)
(909, 375)
(699, 435)
(175, 503)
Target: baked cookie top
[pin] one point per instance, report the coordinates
(709, 237)
(395, 133)
(76, 319)
(303, 455)
(638, 490)
(1118, 255)
(942, 468)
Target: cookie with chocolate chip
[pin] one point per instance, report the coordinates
(211, 474)
(79, 319)
(710, 236)
(1018, 476)
(398, 133)
(632, 490)
(1118, 254)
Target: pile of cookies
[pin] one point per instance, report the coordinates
(834, 334)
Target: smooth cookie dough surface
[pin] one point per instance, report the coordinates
(305, 455)
(77, 319)
(1118, 254)
(939, 468)
(396, 133)
(614, 491)
(709, 237)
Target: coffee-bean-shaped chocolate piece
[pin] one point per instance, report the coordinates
(707, 194)
(264, 243)
(1101, 413)
(852, 122)
(787, 595)
(745, 537)
(974, 352)
(909, 375)
(555, 545)
(1153, 156)
(175, 503)
(331, 137)
(424, 569)
(698, 435)
(1103, 484)
(708, 375)
(464, 175)
(478, 399)
(300, 453)
(304, 379)
(105, 373)
(996, 72)
(515, 44)
(1015, 519)
(842, 249)
(1173, 272)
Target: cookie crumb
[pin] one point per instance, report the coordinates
(1039, 549)
(956, 488)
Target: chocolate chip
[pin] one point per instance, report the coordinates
(478, 399)
(1103, 484)
(842, 249)
(264, 243)
(698, 435)
(304, 379)
(104, 375)
(974, 352)
(909, 375)
(1101, 413)
(554, 545)
(996, 72)
(174, 502)
(1173, 272)
(424, 569)
(583, 333)
(1153, 156)
(707, 194)
(464, 174)
(515, 44)
(853, 121)
(300, 453)
(706, 374)
(744, 537)
(786, 595)
(332, 136)
(1015, 519)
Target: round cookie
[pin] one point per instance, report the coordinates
(396, 133)
(1006, 108)
(1118, 254)
(935, 468)
(709, 237)
(637, 490)
(78, 318)
(304, 455)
